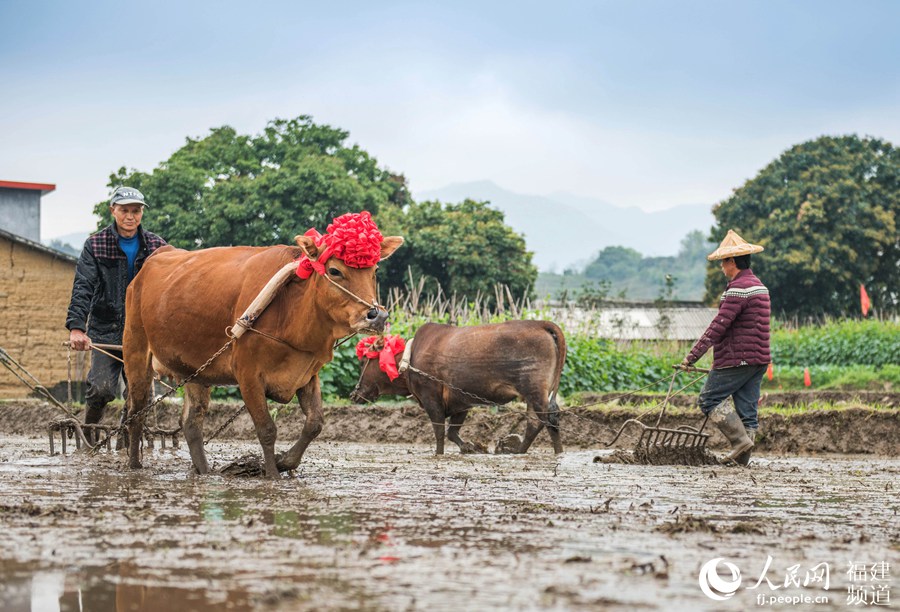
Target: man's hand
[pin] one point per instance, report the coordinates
(686, 364)
(79, 340)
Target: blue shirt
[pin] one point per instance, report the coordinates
(130, 247)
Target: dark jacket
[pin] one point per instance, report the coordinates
(101, 278)
(739, 334)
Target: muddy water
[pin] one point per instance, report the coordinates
(392, 527)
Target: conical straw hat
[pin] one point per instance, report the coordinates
(733, 246)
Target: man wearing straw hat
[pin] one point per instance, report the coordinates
(739, 335)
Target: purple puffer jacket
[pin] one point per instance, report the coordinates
(739, 334)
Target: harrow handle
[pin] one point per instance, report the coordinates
(678, 366)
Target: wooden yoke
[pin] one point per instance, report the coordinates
(261, 301)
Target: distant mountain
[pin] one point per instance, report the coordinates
(566, 231)
(74, 240)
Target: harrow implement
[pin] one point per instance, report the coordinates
(666, 445)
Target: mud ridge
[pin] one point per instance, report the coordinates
(853, 430)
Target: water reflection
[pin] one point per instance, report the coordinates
(224, 505)
(326, 529)
(221, 505)
(117, 587)
(46, 590)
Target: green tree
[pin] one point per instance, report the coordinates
(639, 277)
(232, 189)
(827, 212)
(615, 264)
(465, 248)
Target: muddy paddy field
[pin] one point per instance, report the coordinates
(374, 520)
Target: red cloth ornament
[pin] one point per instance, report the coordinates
(393, 345)
(353, 238)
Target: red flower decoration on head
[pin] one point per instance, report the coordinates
(393, 345)
(366, 348)
(353, 238)
(356, 240)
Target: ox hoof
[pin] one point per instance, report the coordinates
(284, 466)
(249, 466)
(195, 471)
(508, 445)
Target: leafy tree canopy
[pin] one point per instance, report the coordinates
(464, 248)
(827, 212)
(230, 189)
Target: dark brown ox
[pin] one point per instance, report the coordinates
(478, 365)
(181, 304)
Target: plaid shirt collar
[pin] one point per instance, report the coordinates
(105, 243)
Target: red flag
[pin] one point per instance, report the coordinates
(864, 302)
(807, 381)
(770, 372)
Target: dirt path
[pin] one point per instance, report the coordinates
(392, 527)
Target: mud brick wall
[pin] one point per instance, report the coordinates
(35, 287)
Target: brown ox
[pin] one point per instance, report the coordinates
(497, 363)
(179, 307)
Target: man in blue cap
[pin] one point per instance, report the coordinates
(109, 260)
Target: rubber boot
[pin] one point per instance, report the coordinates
(726, 418)
(744, 458)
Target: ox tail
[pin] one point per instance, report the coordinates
(553, 406)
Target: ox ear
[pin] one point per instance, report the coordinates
(308, 246)
(389, 245)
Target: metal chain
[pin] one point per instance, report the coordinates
(482, 400)
(185, 381)
(226, 424)
(567, 409)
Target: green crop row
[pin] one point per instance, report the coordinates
(856, 377)
(839, 355)
(838, 343)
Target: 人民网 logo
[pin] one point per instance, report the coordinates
(713, 585)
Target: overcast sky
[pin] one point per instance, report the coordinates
(639, 103)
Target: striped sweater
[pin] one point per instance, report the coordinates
(739, 333)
